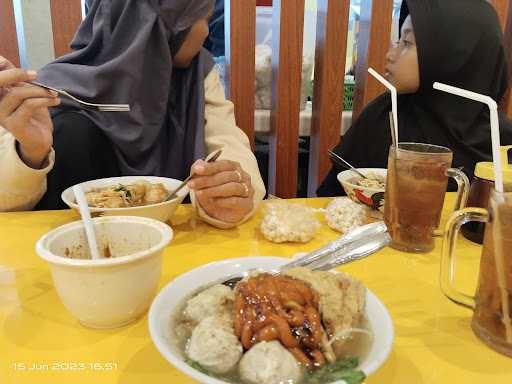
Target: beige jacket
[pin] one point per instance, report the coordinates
(21, 187)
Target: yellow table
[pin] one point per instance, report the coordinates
(41, 343)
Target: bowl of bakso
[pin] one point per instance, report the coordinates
(298, 327)
(145, 196)
(117, 288)
(368, 191)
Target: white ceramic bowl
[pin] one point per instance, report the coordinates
(109, 292)
(180, 288)
(161, 211)
(371, 197)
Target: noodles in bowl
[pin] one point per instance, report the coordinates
(145, 196)
(125, 196)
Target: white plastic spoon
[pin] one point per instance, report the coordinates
(86, 218)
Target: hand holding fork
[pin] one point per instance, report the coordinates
(85, 104)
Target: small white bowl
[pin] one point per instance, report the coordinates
(176, 291)
(371, 197)
(109, 292)
(161, 211)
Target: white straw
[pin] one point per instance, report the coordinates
(495, 125)
(86, 218)
(394, 108)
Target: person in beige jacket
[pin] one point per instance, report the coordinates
(225, 193)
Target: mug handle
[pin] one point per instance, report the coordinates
(463, 186)
(455, 222)
(461, 200)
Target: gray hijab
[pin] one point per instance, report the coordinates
(122, 53)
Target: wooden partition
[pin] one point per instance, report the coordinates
(507, 102)
(240, 21)
(66, 17)
(504, 9)
(330, 58)
(331, 46)
(8, 39)
(287, 41)
(372, 46)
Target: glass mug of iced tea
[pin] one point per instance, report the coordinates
(493, 300)
(416, 185)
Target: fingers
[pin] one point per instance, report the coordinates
(234, 202)
(225, 177)
(223, 189)
(5, 64)
(229, 210)
(27, 109)
(19, 95)
(201, 168)
(11, 77)
(226, 190)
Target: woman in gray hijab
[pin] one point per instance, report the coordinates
(147, 53)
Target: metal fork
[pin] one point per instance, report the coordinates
(84, 104)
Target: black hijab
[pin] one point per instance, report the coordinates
(459, 42)
(122, 53)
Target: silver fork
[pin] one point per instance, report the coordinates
(84, 104)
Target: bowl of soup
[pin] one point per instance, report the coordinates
(145, 196)
(297, 327)
(368, 191)
(117, 288)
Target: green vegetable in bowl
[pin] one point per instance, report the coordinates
(197, 366)
(339, 370)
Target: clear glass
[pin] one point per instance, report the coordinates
(415, 190)
(493, 300)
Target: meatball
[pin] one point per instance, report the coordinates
(155, 193)
(214, 346)
(214, 301)
(269, 363)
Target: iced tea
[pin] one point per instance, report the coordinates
(493, 301)
(415, 190)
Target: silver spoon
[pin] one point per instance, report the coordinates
(356, 245)
(343, 163)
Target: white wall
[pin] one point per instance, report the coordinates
(35, 37)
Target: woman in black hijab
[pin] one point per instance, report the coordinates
(457, 42)
(148, 53)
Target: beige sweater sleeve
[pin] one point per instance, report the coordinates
(222, 132)
(21, 187)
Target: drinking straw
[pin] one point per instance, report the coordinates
(495, 125)
(394, 109)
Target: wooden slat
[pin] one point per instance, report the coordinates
(66, 17)
(373, 44)
(8, 39)
(288, 31)
(507, 102)
(330, 58)
(240, 20)
(504, 9)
